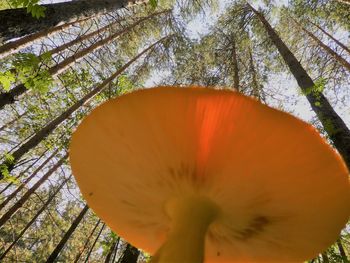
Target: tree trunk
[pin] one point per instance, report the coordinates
(112, 249)
(334, 126)
(10, 97)
(330, 51)
(325, 258)
(25, 197)
(18, 22)
(342, 251)
(45, 131)
(255, 84)
(22, 185)
(331, 37)
(93, 244)
(87, 241)
(67, 235)
(235, 66)
(23, 172)
(80, 39)
(13, 121)
(13, 46)
(52, 196)
(130, 254)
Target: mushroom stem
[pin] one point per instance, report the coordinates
(191, 218)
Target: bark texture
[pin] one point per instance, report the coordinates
(94, 243)
(45, 131)
(11, 96)
(342, 251)
(235, 66)
(87, 241)
(112, 249)
(130, 254)
(21, 186)
(13, 46)
(35, 217)
(330, 51)
(17, 22)
(255, 84)
(334, 126)
(331, 37)
(25, 197)
(67, 235)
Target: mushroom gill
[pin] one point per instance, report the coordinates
(202, 175)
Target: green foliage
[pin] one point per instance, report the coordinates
(153, 3)
(125, 85)
(6, 79)
(27, 68)
(4, 168)
(32, 6)
(316, 90)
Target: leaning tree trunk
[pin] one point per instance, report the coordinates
(255, 84)
(87, 241)
(93, 244)
(342, 251)
(10, 97)
(112, 249)
(330, 36)
(67, 235)
(334, 126)
(130, 254)
(18, 22)
(45, 131)
(26, 196)
(22, 173)
(330, 51)
(8, 124)
(22, 185)
(48, 201)
(13, 46)
(235, 66)
(325, 258)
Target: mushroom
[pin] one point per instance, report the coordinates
(202, 175)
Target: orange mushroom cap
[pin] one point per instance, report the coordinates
(281, 192)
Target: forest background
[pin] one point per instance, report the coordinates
(293, 55)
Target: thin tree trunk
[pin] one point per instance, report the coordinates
(10, 97)
(13, 121)
(112, 249)
(18, 22)
(235, 66)
(23, 172)
(335, 127)
(87, 241)
(45, 131)
(80, 39)
(256, 91)
(51, 197)
(25, 197)
(342, 251)
(67, 235)
(330, 51)
(325, 258)
(330, 36)
(22, 185)
(93, 244)
(130, 254)
(14, 46)
(115, 252)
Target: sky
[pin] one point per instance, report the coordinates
(294, 101)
